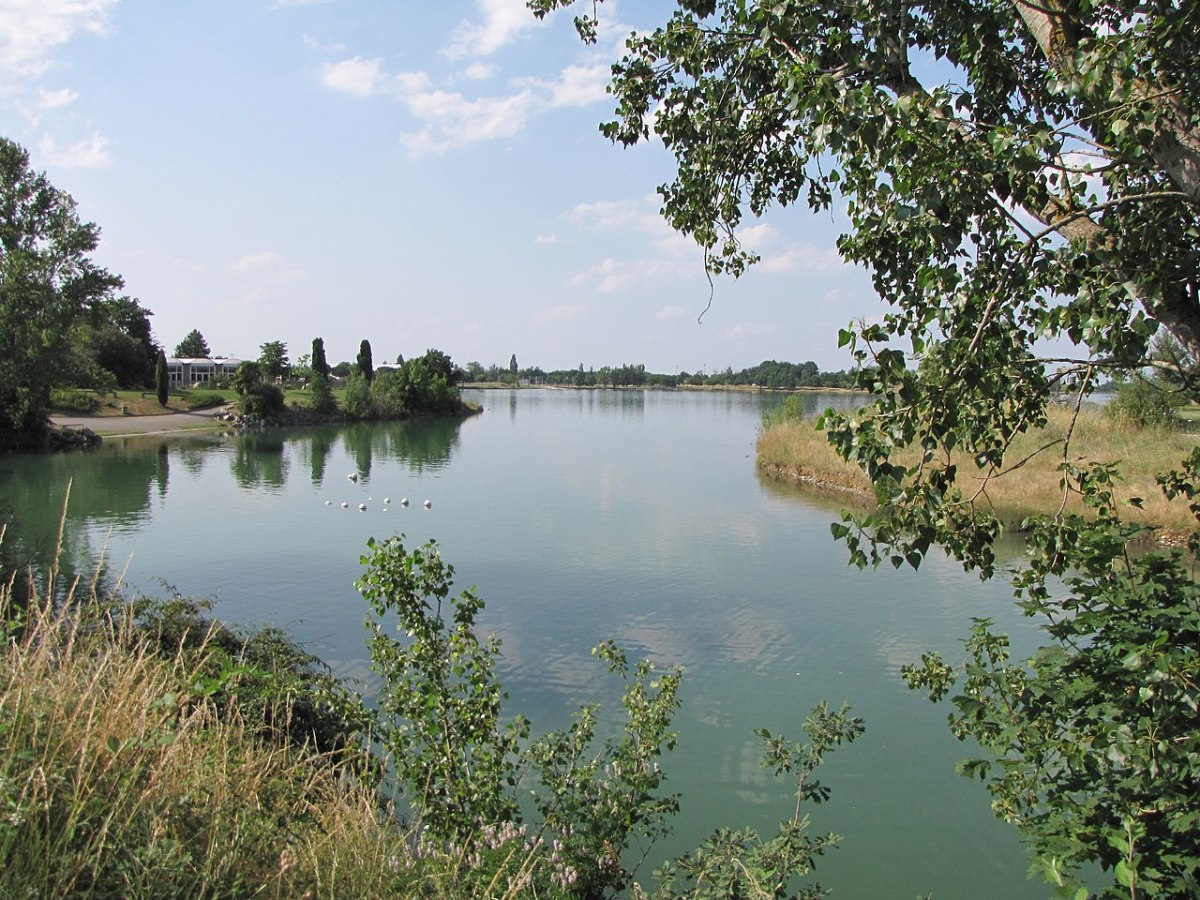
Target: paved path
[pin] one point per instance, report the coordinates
(167, 423)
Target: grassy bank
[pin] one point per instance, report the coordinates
(139, 759)
(796, 450)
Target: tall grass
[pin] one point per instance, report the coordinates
(119, 778)
(798, 450)
(128, 769)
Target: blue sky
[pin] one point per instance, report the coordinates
(418, 174)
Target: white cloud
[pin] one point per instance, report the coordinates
(498, 23)
(479, 72)
(545, 239)
(671, 312)
(452, 121)
(578, 85)
(31, 29)
(806, 258)
(257, 261)
(56, 99)
(613, 275)
(91, 153)
(313, 43)
(356, 75)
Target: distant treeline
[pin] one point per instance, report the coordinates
(767, 374)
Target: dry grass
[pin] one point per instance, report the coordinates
(797, 450)
(118, 778)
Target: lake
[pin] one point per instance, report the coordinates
(582, 516)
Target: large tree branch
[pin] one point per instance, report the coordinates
(1176, 144)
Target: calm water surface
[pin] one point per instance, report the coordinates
(582, 516)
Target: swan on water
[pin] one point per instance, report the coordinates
(404, 501)
(362, 507)
(353, 476)
(345, 504)
(428, 503)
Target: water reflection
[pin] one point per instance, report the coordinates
(112, 485)
(259, 460)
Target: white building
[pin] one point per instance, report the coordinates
(195, 372)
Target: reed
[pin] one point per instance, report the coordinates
(797, 450)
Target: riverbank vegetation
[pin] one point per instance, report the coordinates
(798, 449)
(147, 751)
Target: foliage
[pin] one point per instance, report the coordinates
(319, 365)
(440, 698)
(1016, 176)
(204, 399)
(48, 285)
(1146, 403)
(790, 410)
(356, 399)
(365, 366)
(741, 864)
(193, 346)
(1109, 707)
(158, 755)
(76, 401)
(273, 358)
(162, 379)
(461, 762)
(322, 400)
(258, 398)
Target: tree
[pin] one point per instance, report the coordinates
(273, 357)
(162, 380)
(1016, 176)
(364, 361)
(48, 284)
(193, 346)
(512, 366)
(319, 364)
(323, 402)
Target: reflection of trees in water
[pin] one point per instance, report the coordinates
(110, 485)
(259, 459)
(317, 444)
(420, 444)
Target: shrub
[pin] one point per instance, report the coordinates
(322, 400)
(1146, 403)
(790, 410)
(204, 400)
(74, 401)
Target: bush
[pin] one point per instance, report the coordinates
(204, 400)
(82, 402)
(1146, 403)
(323, 402)
(262, 401)
(790, 410)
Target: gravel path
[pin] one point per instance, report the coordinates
(167, 423)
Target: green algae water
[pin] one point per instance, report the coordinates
(582, 516)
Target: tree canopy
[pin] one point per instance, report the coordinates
(48, 285)
(273, 357)
(193, 346)
(1022, 181)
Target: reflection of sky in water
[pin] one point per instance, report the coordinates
(584, 516)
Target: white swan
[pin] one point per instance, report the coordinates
(362, 507)
(428, 504)
(404, 501)
(353, 476)
(345, 505)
